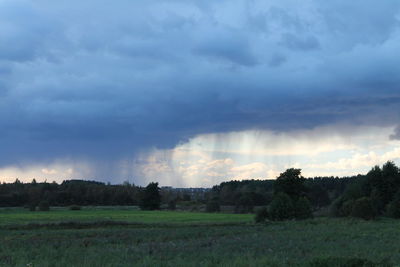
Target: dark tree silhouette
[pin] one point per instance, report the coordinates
(303, 209)
(363, 208)
(370, 195)
(281, 208)
(151, 198)
(291, 183)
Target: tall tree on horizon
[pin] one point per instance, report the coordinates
(151, 198)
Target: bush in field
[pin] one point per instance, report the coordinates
(303, 209)
(363, 208)
(261, 215)
(212, 206)
(44, 206)
(281, 208)
(75, 207)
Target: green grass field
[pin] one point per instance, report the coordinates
(165, 238)
(19, 217)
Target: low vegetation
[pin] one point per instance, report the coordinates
(129, 237)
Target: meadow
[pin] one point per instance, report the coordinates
(129, 237)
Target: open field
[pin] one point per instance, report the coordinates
(164, 238)
(20, 216)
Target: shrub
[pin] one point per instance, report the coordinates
(281, 208)
(75, 207)
(261, 215)
(363, 208)
(212, 206)
(44, 206)
(303, 209)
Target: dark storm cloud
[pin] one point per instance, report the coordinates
(104, 81)
(228, 46)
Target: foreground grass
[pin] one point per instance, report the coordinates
(185, 242)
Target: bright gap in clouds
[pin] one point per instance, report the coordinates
(209, 159)
(212, 158)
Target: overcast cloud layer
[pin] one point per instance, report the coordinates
(100, 81)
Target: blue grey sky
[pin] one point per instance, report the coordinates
(100, 89)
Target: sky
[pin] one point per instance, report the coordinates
(192, 93)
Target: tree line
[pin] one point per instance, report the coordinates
(93, 193)
(289, 196)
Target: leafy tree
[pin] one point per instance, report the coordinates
(261, 215)
(303, 209)
(391, 175)
(347, 208)
(186, 197)
(363, 208)
(281, 208)
(151, 198)
(377, 201)
(244, 204)
(341, 207)
(355, 190)
(291, 183)
(367, 196)
(290, 197)
(383, 183)
(213, 206)
(44, 205)
(317, 195)
(393, 208)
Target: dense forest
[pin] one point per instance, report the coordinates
(370, 195)
(93, 193)
(321, 191)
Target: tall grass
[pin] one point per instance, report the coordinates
(183, 241)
